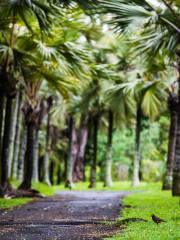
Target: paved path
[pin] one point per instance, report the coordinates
(70, 215)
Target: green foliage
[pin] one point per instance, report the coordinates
(154, 140)
(44, 189)
(155, 27)
(144, 204)
(8, 203)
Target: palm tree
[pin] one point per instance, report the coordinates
(119, 108)
(47, 144)
(157, 29)
(147, 100)
(14, 172)
(12, 14)
(172, 103)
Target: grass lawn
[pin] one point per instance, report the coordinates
(8, 203)
(42, 188)
(117, 186)
(162, 204)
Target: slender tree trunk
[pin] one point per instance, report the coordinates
(94, 163)
(176, 169)
(22, 151)
(6, 143)
(69, 167)
(167, 183)
(59, 175)
(17, 138)
(65, 166)
(47, 150)
(78, 173)
(12, 137)
(136, 181)
(108, 170)
(89, 146)
(2, 111)
(52, 167)
(28, 163)
(35, 177)
(41, 168)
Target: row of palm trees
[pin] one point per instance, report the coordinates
(156, 27)
(34, 48)
(53, 47)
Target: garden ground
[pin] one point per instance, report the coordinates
(89, 208)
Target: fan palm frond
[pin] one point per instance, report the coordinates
(156, 28)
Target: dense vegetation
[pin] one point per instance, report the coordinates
(78, 99)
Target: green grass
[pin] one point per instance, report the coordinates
(144, 204)
(9, 203)
(42, 188)
(117, 186)
(45, 189)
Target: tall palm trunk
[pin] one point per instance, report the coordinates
(2, 111)
(167, 182)
(52, 170)
(22, 152)
(17, 138)
(40, 117)
(6, 142)
(176, 168)
(28, 163)
(136, 166)
(94, 162)
(36, 157)
(70, 157)
(78, 173)
(59, 174)
(108, 169)
(12, 137)
(2, 108)
(47, 150)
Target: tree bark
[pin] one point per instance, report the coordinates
(35, 177)
(28, 163)
(71, 153)
(52, 168)
(135, 180)
(78, 173)
(22, 152)
(47, 150)
(108, 169)
(12, 137)
(6, 143)
(167, 182)
(17, 138)
(176, 168)
(94, 163)
(2, 113)
(59, 175)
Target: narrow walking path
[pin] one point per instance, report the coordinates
(70, 215)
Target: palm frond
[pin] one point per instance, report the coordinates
(155, 28)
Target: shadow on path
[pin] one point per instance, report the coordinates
(70, 215)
